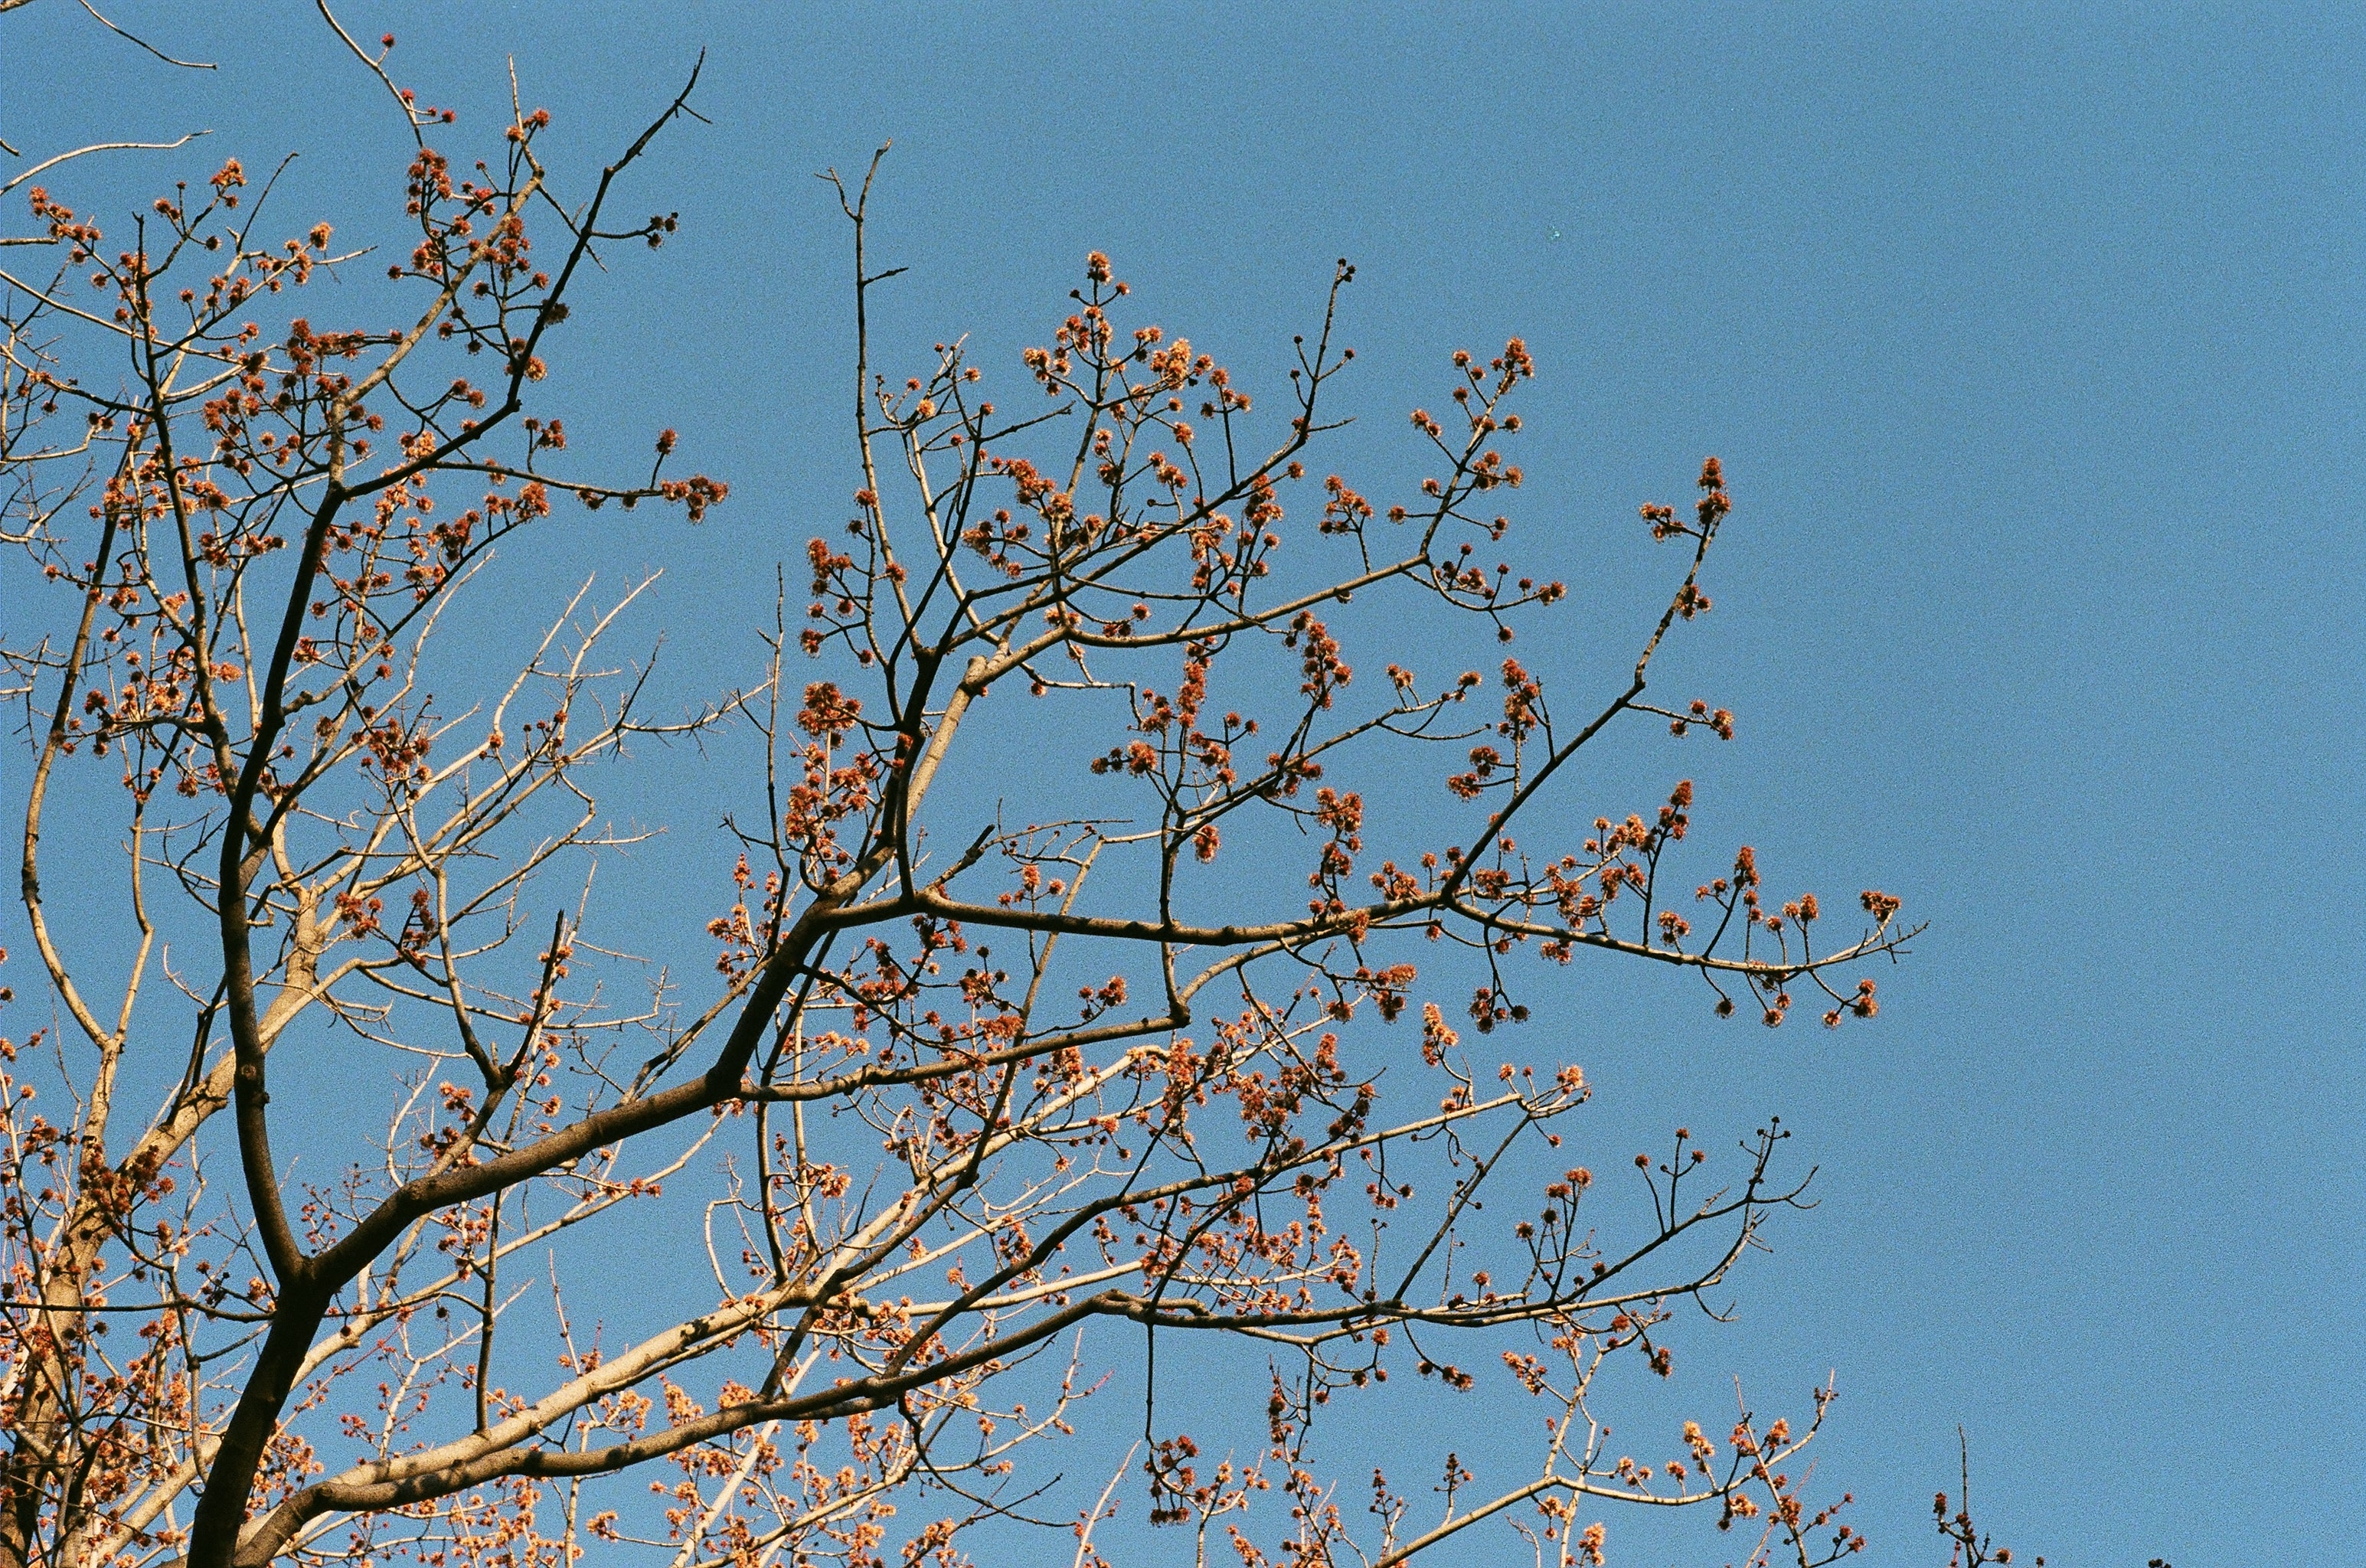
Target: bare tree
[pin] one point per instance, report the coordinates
(978, 1055)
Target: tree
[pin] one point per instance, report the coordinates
(978, 1057)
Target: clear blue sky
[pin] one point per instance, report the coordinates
(2030, 338)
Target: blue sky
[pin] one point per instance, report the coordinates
(2030, 340)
